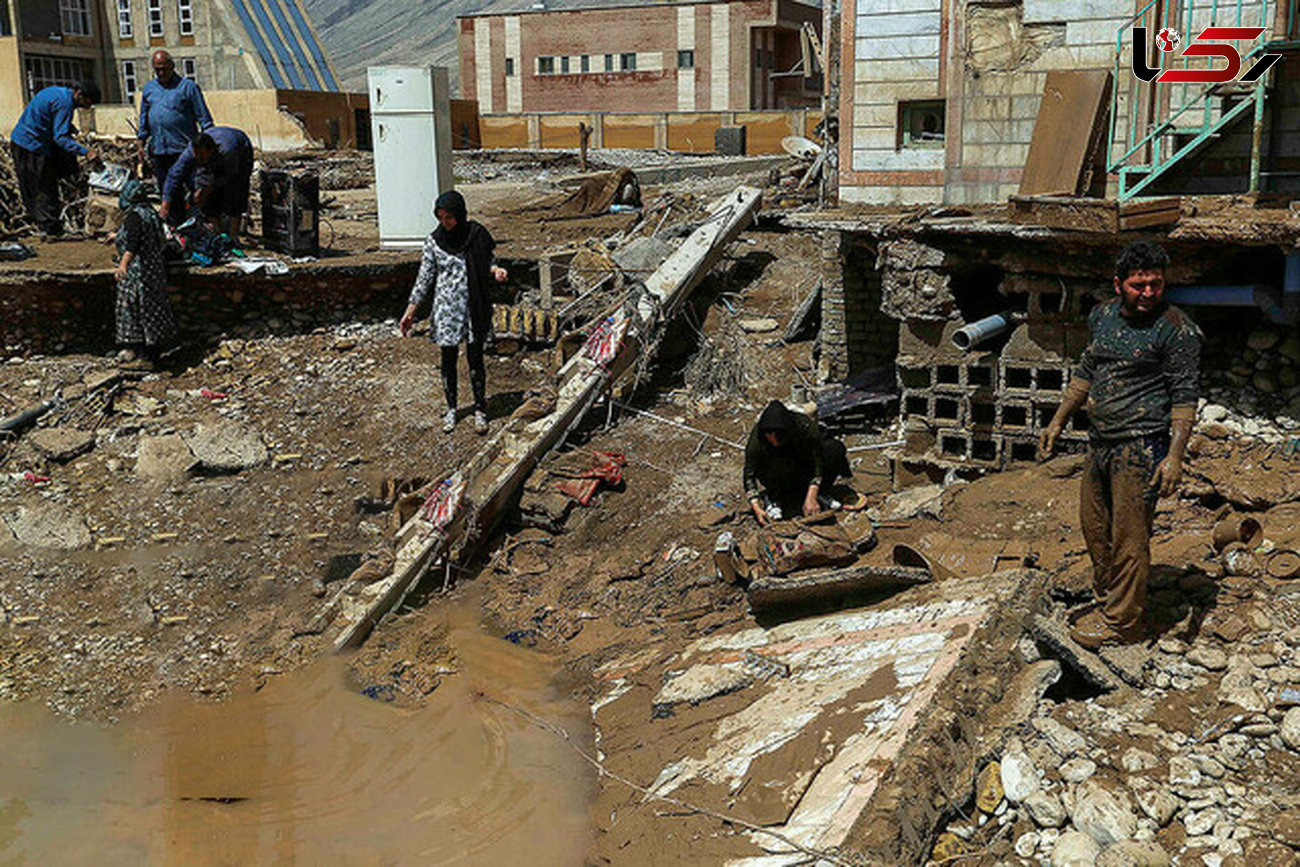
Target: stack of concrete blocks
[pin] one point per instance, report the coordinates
(856, 334)
(981, 409)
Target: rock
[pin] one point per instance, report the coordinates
(1104, 815)
(1075, 849)
(1208, 766)
(988, 788)
(1290, 348)
(226, 447)
(164, 459)
(1214, 412)
(1065, 740)
(1078, 770)
(948, 847)
(1287, 377)
(759, 326)
(1244, 697)
(1262, 339)
(1203, 822)
(1291, 728)
(1265, 382)
(1027, 844)
(1019, 777)
(701, 682)
(1045, 809)
(1135, 760)
(1210, 658)
(1183, 772)
(48, 526)
(1286, 827)
(908, 504)
(62, 444)
(1158, 804)
(1134, 853)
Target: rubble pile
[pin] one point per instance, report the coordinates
(1260, 379)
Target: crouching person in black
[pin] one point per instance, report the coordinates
(788, 463)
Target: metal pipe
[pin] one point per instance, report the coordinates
(1216, 296)
(977, 332)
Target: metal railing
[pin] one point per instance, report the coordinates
(1154, 126)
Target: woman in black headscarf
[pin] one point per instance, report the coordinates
(458, 261)
(788, 463)
(145, 323)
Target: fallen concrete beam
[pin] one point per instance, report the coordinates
(770, 592)
(495, 474)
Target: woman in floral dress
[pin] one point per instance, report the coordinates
(458, 263)
(145, 324)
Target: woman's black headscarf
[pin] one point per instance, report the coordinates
(458, 238)
(777, 419)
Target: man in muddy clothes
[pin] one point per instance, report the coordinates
(788, 463)
(1138, 376)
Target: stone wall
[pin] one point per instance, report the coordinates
(57, 313)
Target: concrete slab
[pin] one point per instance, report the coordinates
(806, 751)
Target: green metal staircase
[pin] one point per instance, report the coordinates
(1156, 127)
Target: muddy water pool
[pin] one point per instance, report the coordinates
(308, 771)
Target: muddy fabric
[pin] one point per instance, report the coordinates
(598, 192)
(1117, 504)
(143, 312)
(1138, 369)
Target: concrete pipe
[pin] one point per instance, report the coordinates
(975, 333)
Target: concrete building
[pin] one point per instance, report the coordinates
(717, 55)
(223, 44)
(938, 99)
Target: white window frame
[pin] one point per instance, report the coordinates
(41, 71)
(129, 81)
(74, 17)
(189, 68)
(185, 14)
(155, 19)
(125, 28)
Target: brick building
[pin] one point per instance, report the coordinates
(721, 55)
(223, 44)
(938, 99)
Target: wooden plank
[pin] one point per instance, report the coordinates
(1075, 104)
(495, 474)
(1093, 215)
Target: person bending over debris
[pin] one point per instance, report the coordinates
(458, 261)
(144, 319)
(217, 166)
(172, 113)
(44, 151)
(1138, 375)
(788, 463)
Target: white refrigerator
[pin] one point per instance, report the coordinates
(410, 124)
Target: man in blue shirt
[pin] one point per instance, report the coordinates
(217, 166)
(44, 151)
(172, 113)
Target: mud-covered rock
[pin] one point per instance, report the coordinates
(48, 526)
(1103, 814)
(62, 444)
(1075, 849)
(226, 447)
(1134, 853)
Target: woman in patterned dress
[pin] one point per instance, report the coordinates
(145, 324)
(457, 262)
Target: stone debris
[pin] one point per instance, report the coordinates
(48, 526)
(62, 444)
(226, 448)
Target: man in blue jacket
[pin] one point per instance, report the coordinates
(44, 151)
(172, 113)
(217, 167)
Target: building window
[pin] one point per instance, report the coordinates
(564, 65)
(758, 58)
(155, 18)
(920, 124)
(124, 28)
(74, 15)
(185, 13)
(189, 68)
(584, 63)
(609, 63)
(545, 65)
(128, 78)
(510, 67)
(686, 59)
(45, 71)
(627, 61)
